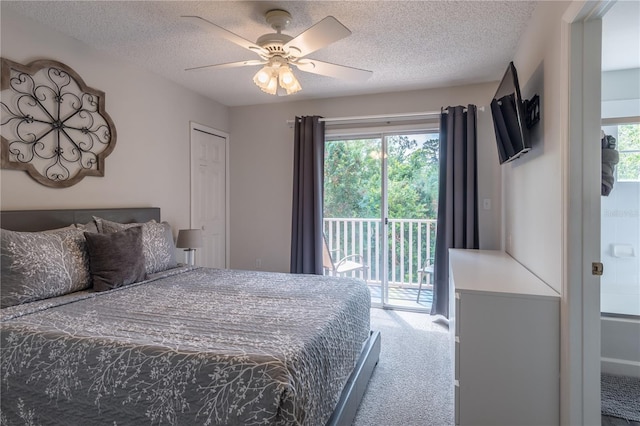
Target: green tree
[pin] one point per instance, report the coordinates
(353, 178)
(629, 146)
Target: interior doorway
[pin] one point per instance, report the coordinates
(619, 213)
(581, 325)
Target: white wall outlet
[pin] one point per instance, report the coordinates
(258, 263)
(486, 204)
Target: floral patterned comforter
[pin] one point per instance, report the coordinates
(188, 347)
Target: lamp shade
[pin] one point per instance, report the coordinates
(189, 238)
(288, 81)
(276, 73)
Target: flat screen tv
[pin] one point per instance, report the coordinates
(509, 120)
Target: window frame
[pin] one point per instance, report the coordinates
(617, 122)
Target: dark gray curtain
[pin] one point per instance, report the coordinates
(457, 225)
(308, 176)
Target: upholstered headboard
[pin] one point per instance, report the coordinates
(40, 220)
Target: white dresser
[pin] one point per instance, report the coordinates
(506, 325)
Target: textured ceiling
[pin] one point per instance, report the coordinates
(407, 44)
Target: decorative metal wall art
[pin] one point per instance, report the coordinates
(53, 125)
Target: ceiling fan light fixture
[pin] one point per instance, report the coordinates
(272, 75)
(272, 87)
(267, 80)
(293, 88)
(286, 76)
(262, 77)
(288, 80)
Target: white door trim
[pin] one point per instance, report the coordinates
(580, 313)
(201, 127)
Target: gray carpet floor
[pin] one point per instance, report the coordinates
(621, 397)
(413, 382)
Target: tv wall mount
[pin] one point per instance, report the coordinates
(532, 111)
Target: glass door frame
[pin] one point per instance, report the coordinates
(384, 222)
(383, 135)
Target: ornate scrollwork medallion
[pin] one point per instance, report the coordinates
(53, 125)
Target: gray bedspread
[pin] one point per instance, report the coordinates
(193, 346)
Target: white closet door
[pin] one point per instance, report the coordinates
(209, 194)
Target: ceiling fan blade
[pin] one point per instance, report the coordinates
(322, 34)
(218, 30)
(228, 65)
(332, 70)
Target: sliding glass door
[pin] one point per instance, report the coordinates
(380, 204)
(352, 205)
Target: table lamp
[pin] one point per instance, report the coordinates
(189, 239)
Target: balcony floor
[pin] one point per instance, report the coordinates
(404, 297)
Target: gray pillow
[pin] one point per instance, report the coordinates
(40, 265)
(115, 259)
(158, 247)
(88, 227)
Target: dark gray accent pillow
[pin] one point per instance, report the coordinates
(158, 247)
(115, 259)
(40, 265)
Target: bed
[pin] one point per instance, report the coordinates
(178, 345)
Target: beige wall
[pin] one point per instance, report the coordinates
(532, 185)
(262, 166)
(150, 164)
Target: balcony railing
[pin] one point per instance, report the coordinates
(411, 245)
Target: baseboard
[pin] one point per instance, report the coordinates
(620, 367)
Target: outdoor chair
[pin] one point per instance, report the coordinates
(426, 271)
(346, 264)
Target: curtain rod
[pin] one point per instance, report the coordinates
(383, 116)
(409, 115)
(376, 117)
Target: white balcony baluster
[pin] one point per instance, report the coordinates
(409, 246)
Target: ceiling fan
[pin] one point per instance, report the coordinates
(278, 51)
